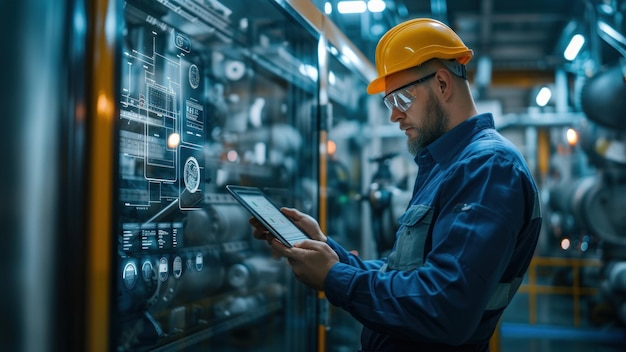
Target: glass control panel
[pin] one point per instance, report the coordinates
(211, 93)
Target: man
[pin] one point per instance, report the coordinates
(470, 230)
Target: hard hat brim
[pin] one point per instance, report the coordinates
(377, 85)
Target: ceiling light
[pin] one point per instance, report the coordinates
(376, 6)
(574, 46)
(351, 6)
(543, 97)
(328, 8)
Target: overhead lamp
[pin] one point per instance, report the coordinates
(359, 6)
(376, 6)
(574, 46)
(543, 97)
(345, 7)
(328, 8)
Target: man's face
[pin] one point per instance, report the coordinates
(424, 121)
(425, 127)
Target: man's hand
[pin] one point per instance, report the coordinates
(310, 260)
(304, 222)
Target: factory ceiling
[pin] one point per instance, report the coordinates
(516, 44)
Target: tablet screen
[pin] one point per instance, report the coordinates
(260, 207)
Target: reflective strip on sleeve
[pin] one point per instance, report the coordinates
(503, 294)
(536, 207)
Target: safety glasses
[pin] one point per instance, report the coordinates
(403, 97)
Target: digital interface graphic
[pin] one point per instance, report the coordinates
(162, 126)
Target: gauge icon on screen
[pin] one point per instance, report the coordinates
(194, 76)
(177, 267)
(129, 275)
(191, 174)
(163, 269)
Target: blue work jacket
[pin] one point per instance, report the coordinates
(463, 244)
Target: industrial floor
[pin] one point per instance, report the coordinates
(554, 310)
(556, 331)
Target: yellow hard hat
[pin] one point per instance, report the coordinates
(412, 43)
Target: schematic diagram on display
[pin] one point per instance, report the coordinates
(162, 120)
(209, 93)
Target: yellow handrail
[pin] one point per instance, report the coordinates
(533, 289)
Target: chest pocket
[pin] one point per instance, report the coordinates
(408, 252)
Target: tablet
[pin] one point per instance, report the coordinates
(257, 203)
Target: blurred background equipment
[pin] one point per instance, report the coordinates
(123, 121)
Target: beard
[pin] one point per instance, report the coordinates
(434, 126)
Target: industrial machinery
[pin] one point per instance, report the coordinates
(600, 198)
(585, 211)
(588, 210)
